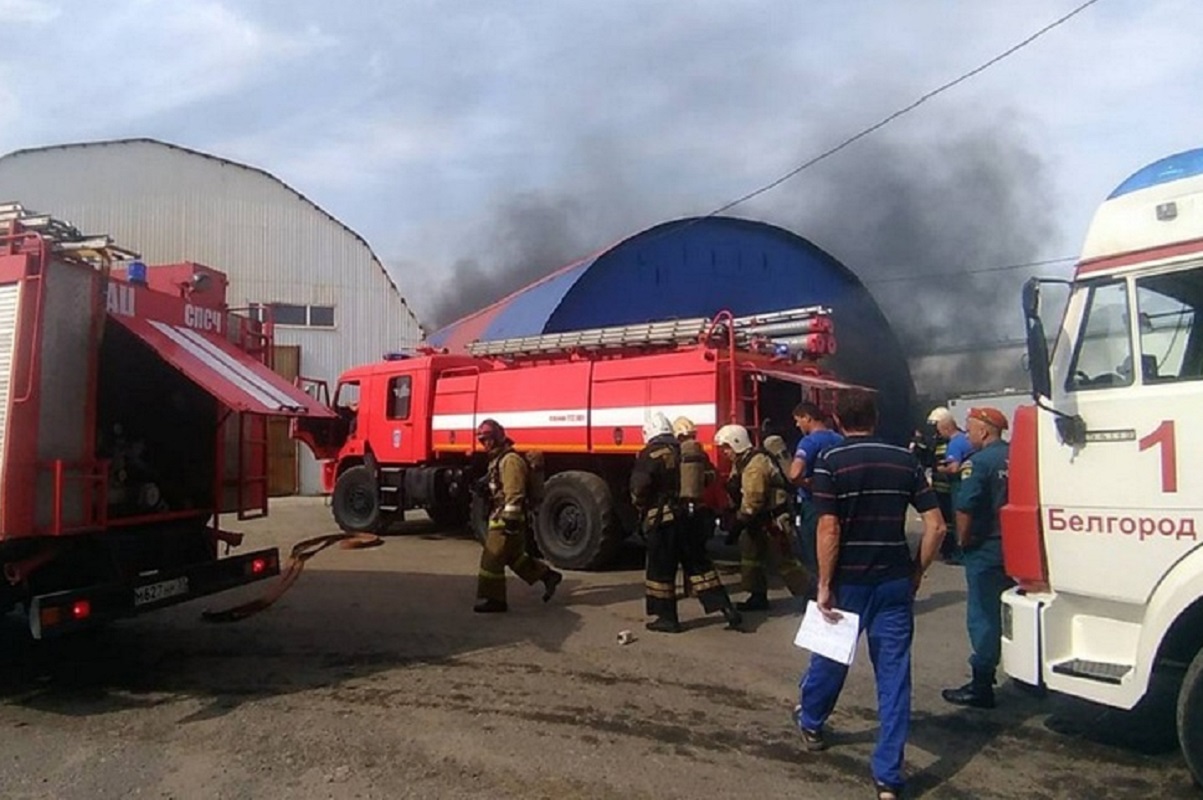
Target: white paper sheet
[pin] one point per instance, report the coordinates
(835, 640)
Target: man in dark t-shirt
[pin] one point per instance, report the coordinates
(862, 489)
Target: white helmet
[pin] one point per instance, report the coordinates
(734, 436)
(656, 424)
(939, 414)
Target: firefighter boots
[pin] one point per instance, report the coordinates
(733, 617)
(550, 581)
(490, 606)
(757, 601)
(665, 623)
(978, 693)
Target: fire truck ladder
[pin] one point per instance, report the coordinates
(724, 329)
(62, 237)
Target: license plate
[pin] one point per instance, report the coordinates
(154, 592)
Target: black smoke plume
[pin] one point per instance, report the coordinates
(917, 219)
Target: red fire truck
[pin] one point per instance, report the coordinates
(404, 437)
(133, 411)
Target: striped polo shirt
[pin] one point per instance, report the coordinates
(868, 484)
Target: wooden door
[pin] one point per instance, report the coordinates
(282, 467)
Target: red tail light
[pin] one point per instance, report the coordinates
(1023, 544)
(258, 566)
(81, 609)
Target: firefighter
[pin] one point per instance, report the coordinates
(656, 495)
(764, 520)
(505, 543)
(696, 525)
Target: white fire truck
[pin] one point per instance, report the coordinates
(1104, 529)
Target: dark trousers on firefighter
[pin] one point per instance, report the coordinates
(682, 543)
(505, 549)
(761, 541)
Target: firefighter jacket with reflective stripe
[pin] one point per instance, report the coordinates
(508, 474)
(762, 486)
(656, 481)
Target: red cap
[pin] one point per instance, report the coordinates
(990, 416)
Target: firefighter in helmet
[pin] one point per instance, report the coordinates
(656, 494)
(505, 543)
(697, 524)
(763, 521)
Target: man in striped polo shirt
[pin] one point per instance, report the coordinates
(862, 489)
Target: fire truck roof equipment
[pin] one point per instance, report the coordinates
(689, 269)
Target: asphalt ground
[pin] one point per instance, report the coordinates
(372, 678)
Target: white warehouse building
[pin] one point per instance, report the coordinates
(333, 302)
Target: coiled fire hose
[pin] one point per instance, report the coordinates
(302, 551)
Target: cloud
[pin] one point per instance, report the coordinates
(35, 12)
(137, 61)
(434, 128)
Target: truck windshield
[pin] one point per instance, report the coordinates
(1103, 354)
(1170, 344)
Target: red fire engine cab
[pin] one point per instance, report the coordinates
(133, 410)
(404, 436)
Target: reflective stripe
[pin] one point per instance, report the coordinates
(705, 583)
(492, 576)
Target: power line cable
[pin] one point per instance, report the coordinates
(978, 271)
(902, 111)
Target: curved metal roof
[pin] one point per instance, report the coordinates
(145, 140)
(694, 268)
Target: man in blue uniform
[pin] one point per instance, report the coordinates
(816, 437)
(982, 492)
(952, 448)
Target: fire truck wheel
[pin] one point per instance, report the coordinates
(576, 525)
(1190, 717)
(356, 502)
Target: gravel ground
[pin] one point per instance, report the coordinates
(371, 678)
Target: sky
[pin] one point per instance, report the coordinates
(478, 144)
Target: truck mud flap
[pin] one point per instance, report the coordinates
(74, 610)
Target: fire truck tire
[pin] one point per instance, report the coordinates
(1190, 717)
(576, 526)
(356, 501)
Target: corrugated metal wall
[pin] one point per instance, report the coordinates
(173, 204)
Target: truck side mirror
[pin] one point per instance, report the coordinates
(1037, 342)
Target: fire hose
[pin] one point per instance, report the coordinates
(302, 551)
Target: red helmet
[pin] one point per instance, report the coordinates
(490, 434)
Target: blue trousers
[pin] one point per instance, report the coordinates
(887, 617)
(985, 583)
